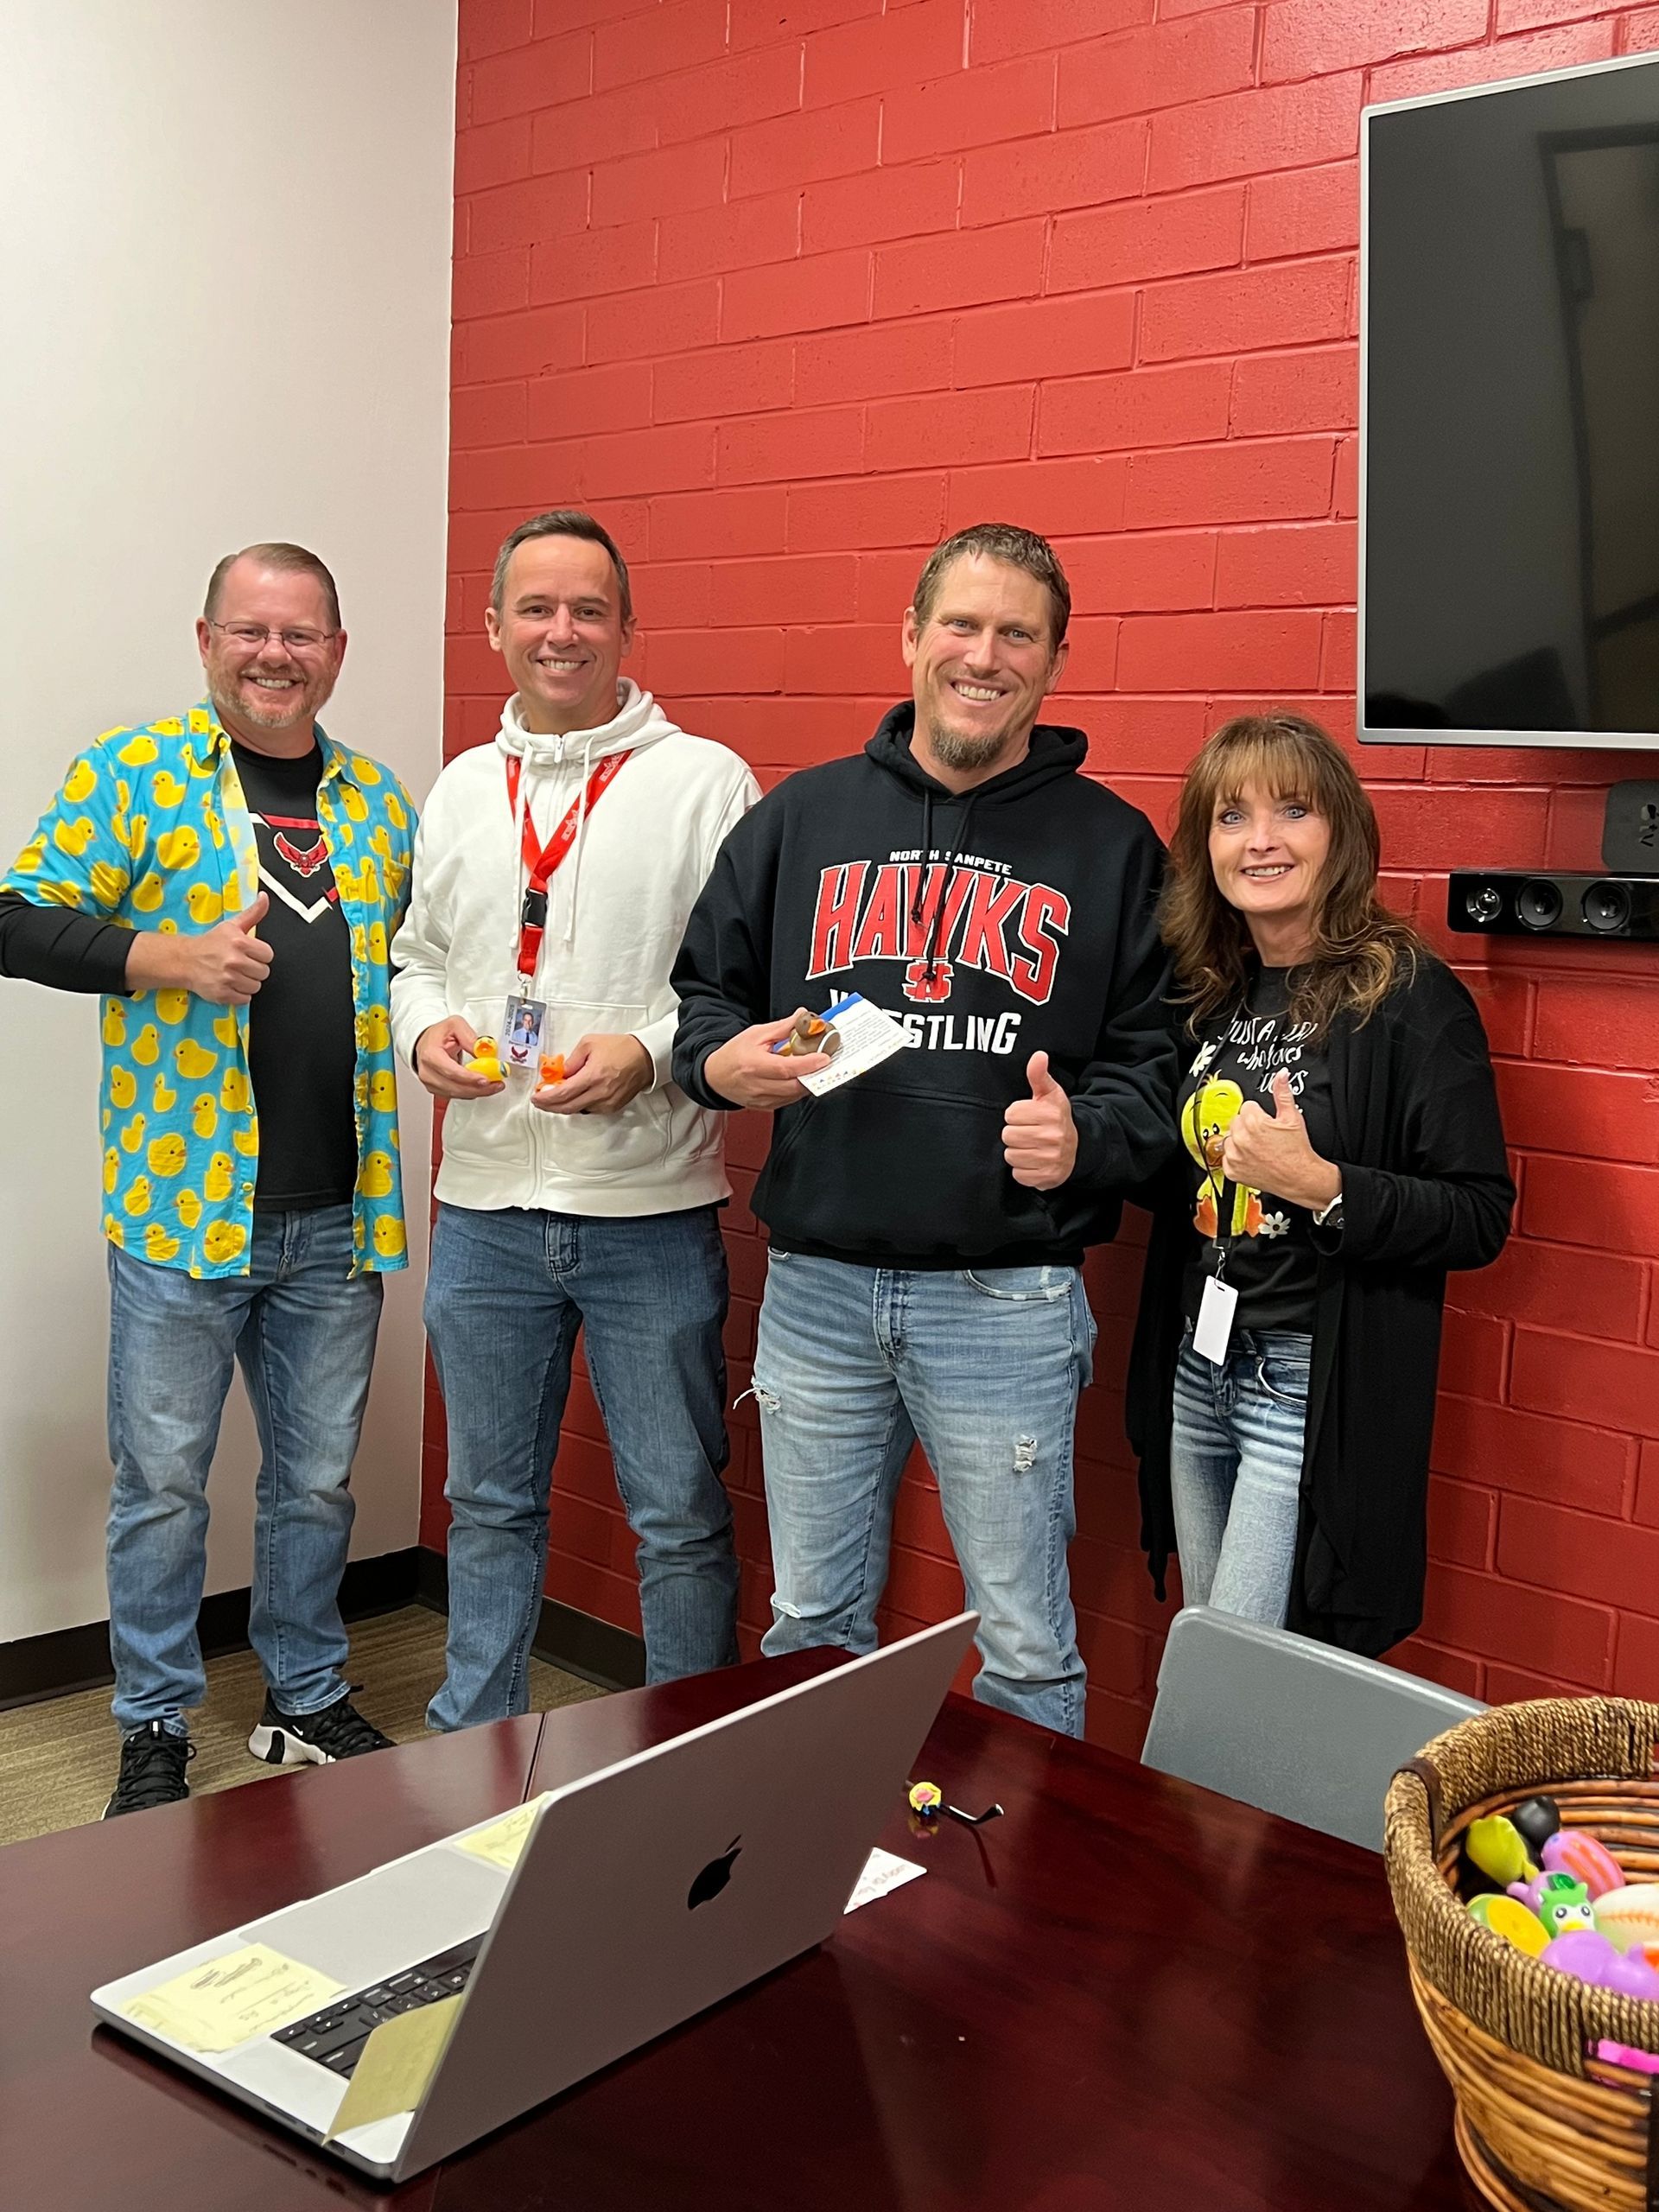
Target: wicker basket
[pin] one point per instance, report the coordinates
(1543, 2125)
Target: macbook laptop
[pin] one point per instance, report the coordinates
(549, 1942)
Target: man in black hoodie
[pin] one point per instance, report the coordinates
(928, 1220)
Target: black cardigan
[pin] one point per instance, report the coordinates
(1424, 1188)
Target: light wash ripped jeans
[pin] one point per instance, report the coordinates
(852, 1365)
(1235, 1471)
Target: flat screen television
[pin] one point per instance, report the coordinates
(1509, 590)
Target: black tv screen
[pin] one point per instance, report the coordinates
(1509, 413)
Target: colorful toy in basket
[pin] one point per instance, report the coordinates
(1508, 1917)
(1494, 1846)
(1629, 1917)
(1575, 1851)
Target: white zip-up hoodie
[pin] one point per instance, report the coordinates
(617, 910)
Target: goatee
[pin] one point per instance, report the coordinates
(957, 750)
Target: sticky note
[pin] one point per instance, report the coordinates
(395, 2065)
(251, 1991)
(882, 1872)
(502, 1840)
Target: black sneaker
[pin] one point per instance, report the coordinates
(153, 1761)
(338, 1731)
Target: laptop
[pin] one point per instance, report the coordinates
(638, 1897)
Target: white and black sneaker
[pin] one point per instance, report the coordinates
(338, 1731)
(153, 1760)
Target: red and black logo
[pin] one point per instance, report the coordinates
(866, 910)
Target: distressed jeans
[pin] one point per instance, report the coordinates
(853, 1365)
(507, 1291)
(302, 1328)
(1235, 1471)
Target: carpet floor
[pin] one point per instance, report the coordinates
(58, 1760)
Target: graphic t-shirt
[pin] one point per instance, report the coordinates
(301, 1032)
(1269, 1254)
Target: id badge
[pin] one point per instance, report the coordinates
(1214, 1326)
(521, 1026)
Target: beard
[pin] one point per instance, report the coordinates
(282, 710)
(959, 751)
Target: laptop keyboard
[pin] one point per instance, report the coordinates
(335, 2036)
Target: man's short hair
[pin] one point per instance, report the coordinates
(563, 522)
(998, 541)
(291, 560)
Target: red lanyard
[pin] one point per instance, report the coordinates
(542, 860)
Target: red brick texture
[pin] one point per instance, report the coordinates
(785, 288)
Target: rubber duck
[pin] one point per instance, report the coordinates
(486, 1061)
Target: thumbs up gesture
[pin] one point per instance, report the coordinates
(228, 962)
(1272, 1153)
(1039, 1139)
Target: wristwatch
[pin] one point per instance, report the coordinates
(1329, 1217)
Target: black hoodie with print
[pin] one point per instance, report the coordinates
(1010, 919)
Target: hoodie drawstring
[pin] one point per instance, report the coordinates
(930, 954)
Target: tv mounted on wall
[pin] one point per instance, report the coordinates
(1508, 582)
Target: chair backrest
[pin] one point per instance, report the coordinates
(1295, 1727)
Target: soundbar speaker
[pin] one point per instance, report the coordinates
(1516, 902)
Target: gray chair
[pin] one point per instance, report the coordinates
(1297, 1728)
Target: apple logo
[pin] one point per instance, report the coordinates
(714, 1876)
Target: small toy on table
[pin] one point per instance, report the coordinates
(486, 1061)
(925, 1799)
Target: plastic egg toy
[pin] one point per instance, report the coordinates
(1585, 1955)
(1630, 1917)
(1510, 1919)
(1494, 1845)
(1537, 1819)
(1576, 1852)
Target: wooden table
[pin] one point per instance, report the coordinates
(1127, 1993)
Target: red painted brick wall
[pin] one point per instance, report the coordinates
(786, 288)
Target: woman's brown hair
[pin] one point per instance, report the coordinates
(1360, 948)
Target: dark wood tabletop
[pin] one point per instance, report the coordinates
(1126, 1994)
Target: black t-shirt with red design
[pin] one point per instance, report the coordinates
(301, 1025)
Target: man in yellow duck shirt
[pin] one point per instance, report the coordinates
(229, 879)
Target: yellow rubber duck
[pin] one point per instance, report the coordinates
(73, 837)
(166, 788)
(115, 1022)
(147, 893)
(172, 1006)
(204, 904)
(383, 1090)
(80, 782)
(233, 1093)
(374, 1180)
(486, 1061)
(163, 1097)
(138, 751)
(177, 848)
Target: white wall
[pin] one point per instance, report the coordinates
(225, 238)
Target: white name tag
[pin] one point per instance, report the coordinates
(1215, 1322)
(867, 1037)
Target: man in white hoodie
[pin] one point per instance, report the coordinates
(553, 875)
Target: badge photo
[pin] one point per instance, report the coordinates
(521, 1034)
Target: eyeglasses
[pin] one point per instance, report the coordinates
(254, 634)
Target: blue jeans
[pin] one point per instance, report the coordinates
(1235, 1471)
(303, 1328)
(507, 1292)
(853, 1365)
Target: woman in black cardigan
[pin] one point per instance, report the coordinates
(1342, 1150)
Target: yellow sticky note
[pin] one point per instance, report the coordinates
(503, 1839)
(395, 2065)
(251, 1991)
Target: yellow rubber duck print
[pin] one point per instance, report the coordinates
(187, 1206)
(365, 771)
(373, 1030)
(374, 1179)
(73, 837)
(138, 751)
(177, 848)
(133, 1135)
(388, 1237)
(122, 1088)
(223, 1240)
(233, 1093)
(172, 1006)
(226, 1030)
(378, 943)
(147, 895)
(216, 1184)
(204, 1115)
(115, 1022)
(355, 805)
(109, 883)
(159, 1246)
(204, 904)
(81, 782)
(147, 1044)
(192, 1060)
(166, 788)
(111, 1168)
(383, 1090)
(246, 1140)
(163, 1097)
(1205, 1119)
(166, 1154)
(136, 1201)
